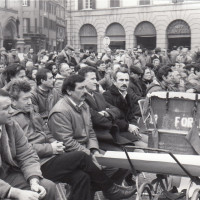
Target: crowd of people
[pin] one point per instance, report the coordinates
(60, 111)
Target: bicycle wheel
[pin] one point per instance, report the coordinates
(196, 195)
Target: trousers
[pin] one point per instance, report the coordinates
(77, 169)
(16, 179)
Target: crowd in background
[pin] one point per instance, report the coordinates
(54, 88)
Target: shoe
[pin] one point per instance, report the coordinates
(117, 192)
(129, 180)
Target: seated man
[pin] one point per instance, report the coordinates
(44, 97)
(163, 80)
(75, 168)
(20, 175)
(70, 122)
(103, 114)
(119, 97)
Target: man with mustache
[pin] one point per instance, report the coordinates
(118, 96)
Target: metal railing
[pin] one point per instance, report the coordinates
(32, 29)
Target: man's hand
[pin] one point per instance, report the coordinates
(57, 147)
(39, 189)
(191, 90)
(104, 113)
(133, 129)
(16, 193)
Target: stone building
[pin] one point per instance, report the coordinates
(37, 24)
(129, 23)
(44, 24)
(8, 23)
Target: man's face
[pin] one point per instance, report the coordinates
(78, 95)
(87, 52)
(69, 52)
(169, 78)
(5, 110)
(122, 81)
(34, 72)
(65, 70)
(176, 77)
(21, 75)
(49, 82)
(102, 67)
(72, 70)
(2, 67)
(147, 74)
(91, 81)
(92, 55)
(54, 69)
(156, 63)
(24, 102)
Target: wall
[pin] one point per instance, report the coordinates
(159, 15)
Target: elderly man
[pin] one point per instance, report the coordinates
(65, 56)
(20, 175)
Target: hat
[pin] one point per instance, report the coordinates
(157, 49)
(139, 50)
(136, 70)
(69, 47)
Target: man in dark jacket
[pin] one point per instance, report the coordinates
(103, 114)
(20, 174)
(118, 96)
(75, 168)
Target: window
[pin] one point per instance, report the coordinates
(114, 3)
(86, 4)
(26, 25)
(144, 2)
(25, 2)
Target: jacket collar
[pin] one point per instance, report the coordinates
(76, 107)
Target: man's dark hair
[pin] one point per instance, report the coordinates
(83, 71)
(42, 75)
(70, 83)
(50, 65)
(17, 86)
(12, 70)
(163, 71)
(4, 93)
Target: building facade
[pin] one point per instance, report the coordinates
(128, 24)
(9, 23)
(44, 24)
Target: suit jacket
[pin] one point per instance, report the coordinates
(16, 153)
(72, 126)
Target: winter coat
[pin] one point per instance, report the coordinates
(16, 154)
(126, 107)
(72, 126)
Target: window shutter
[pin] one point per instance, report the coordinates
(80, 4)
(28, 2)
(93, 4)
